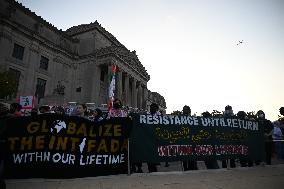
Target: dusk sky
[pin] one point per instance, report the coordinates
(189, 47)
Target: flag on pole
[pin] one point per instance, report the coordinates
(112, 86)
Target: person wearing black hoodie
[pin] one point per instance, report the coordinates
(154, 110)
(189, 164)
(98, 115)
(268, 131)
(229, 114)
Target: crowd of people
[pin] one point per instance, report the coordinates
(273, 131)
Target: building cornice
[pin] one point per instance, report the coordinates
(33, 36)
(130, 58)
(14, 4)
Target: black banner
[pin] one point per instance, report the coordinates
(174, 138)
(51, 146)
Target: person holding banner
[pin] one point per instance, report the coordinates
(59, 110)
(98, 115)
(189, 164)
(228, 114)
(34, 112)
(268, 130)
(81, 111)
(211, 163)
(244, 162)
(154, 110)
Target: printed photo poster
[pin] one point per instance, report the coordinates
(27, 102)
(53, 146)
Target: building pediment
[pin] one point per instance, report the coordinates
(76, 30)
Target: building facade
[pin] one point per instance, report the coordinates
(74, 65)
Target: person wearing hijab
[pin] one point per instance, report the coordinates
(117, 110)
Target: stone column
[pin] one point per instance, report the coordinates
(31, 80)
(119, 85)
(143, 98)
(126, 90)
(96, 85)
(146, 93)
(139, 96)
(134, 94)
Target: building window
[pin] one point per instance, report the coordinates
(43, 63)
(16, 76)
(40, 88)
(18, 52)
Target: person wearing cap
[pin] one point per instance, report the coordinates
(268, 131)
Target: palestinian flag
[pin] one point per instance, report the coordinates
(112, 86)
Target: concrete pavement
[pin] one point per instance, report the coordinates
(260, 177)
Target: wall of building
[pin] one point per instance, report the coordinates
(73, 59)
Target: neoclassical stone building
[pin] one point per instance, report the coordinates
(73, 65)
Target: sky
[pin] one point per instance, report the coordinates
(189, 47)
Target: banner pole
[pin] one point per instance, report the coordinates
(182, 168)
(227, 162)
(128, 164)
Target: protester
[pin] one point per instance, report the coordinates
(34, 112)
(15, 109)
(211, 163)
(228, 114)
(59, 110)
(45, 109)
(189, 164)
(278, 140)
(281, 111)
(245, 162)
(98, 115)
(268, 130)
(81, 111)
(281, 119)
(154, 110)
(116, 110)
